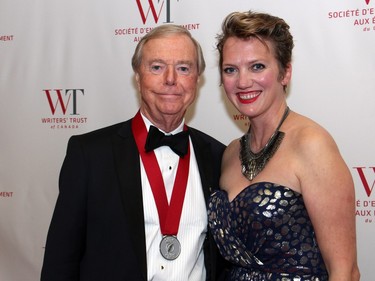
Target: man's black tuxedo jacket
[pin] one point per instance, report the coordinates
(97, 231)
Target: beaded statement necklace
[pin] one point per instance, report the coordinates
(253, 163)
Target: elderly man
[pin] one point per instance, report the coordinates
(132, 201)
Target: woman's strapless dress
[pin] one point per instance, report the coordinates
(266, 233)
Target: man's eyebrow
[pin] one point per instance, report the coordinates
(188, 62)
(155, 60)
(185, 62)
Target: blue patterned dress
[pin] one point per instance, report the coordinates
(266, 233)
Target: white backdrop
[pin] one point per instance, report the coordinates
(77, 53)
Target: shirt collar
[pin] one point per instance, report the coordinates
(179, 128)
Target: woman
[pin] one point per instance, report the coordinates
(286, 208)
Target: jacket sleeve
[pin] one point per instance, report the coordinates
(66, 234)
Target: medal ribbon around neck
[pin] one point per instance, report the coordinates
(169, 215)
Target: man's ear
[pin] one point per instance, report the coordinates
(137, 78)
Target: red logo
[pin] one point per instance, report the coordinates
(70, 93)
(154, 9)
(64, 101)
(151, 8)
(365, 182)
(367, 1)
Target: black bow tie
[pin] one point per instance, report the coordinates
(178, 142)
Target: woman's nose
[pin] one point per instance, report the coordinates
(245, 80)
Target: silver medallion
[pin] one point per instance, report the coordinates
(170, 247)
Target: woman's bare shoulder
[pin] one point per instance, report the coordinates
(307, 136)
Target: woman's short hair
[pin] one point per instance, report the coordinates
(263, 26)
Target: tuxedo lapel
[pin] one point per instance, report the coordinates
(203, 155)
(129, 174)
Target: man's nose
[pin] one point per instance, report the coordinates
(170, 75)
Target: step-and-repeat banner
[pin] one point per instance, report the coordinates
(65, 69)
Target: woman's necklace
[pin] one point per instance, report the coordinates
(253, 163)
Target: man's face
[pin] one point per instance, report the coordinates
(167, 77)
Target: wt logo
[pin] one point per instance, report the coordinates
(155, 13)
(364, 180)
(70, 97)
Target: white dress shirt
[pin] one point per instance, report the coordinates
(189, 266)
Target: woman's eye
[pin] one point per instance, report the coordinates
(258, 66)
(229, 70)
